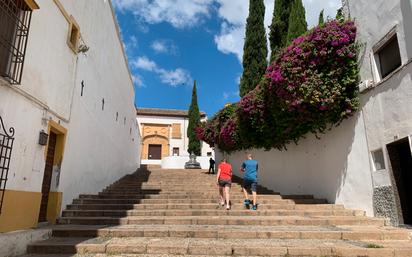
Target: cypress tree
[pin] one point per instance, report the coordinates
(255, 49)
(194, 121)
(321, 18)
(279, 26)
(297, 21)
(339, 15)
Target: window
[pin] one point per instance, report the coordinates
(15, 17)
(378, 160)
(209, 154)
(388, 57)
(175, 151)
(74, 35)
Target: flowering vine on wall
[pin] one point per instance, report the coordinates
(310, 87)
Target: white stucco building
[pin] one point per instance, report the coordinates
(164, 138)
(75, 86)
(365, 163)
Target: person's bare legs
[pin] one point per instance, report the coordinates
(245, 193)
(222, 199)
(227, 196)
(254, 194)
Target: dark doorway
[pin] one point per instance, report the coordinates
(401, 161)
(47, 177)
(155, 152)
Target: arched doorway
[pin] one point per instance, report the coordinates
(155, 147)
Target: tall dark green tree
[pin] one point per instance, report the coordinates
(255, 49)
(297, 21)
(339, 15)
(279, 27)
(321, 18)
(194, 121)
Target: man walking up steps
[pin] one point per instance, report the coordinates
(250, 169)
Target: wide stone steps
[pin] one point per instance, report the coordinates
(240, 213)
(225, 220)
(221, 247)
(211, 206)
(211, 195)
(235, 232)
(161, 213)
(113, 201)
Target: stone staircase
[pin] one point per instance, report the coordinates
(158, 212)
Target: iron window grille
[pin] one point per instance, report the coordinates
(6, 146)
(15, 17)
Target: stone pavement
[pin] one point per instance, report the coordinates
(157, 212)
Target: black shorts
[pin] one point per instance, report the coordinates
(248, 184)
(224, 183)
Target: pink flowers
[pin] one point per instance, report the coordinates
(311, 86)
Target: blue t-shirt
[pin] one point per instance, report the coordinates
(250, 168)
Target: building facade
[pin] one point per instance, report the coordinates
(364, 163)
(164, 135)
(66, 89)
(385, 30)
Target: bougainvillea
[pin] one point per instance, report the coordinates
(315, 79)
(222, 129)
(310, 87)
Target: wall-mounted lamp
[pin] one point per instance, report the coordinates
(43, 137)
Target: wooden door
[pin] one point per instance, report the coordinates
(47, 177)
(155, 152)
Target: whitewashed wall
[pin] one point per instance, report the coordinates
(336, 167)
(99, 149)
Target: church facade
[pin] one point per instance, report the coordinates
(164, 136)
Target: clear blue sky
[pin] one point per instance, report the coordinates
(170, 43)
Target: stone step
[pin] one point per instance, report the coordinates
(225, 220)
(173, 196)
(184, 187)
(182, 184)
(178, 190)
(125, 204)
(234, 232)
(239, 206)
(235, 206)
(223, 247)
(194, 212)
(214, 200)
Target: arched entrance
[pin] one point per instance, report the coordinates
(155, 147)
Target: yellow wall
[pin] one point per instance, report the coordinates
(54, 206)
(20, 210)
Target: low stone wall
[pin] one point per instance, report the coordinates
(178, 162)
(15, 243)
